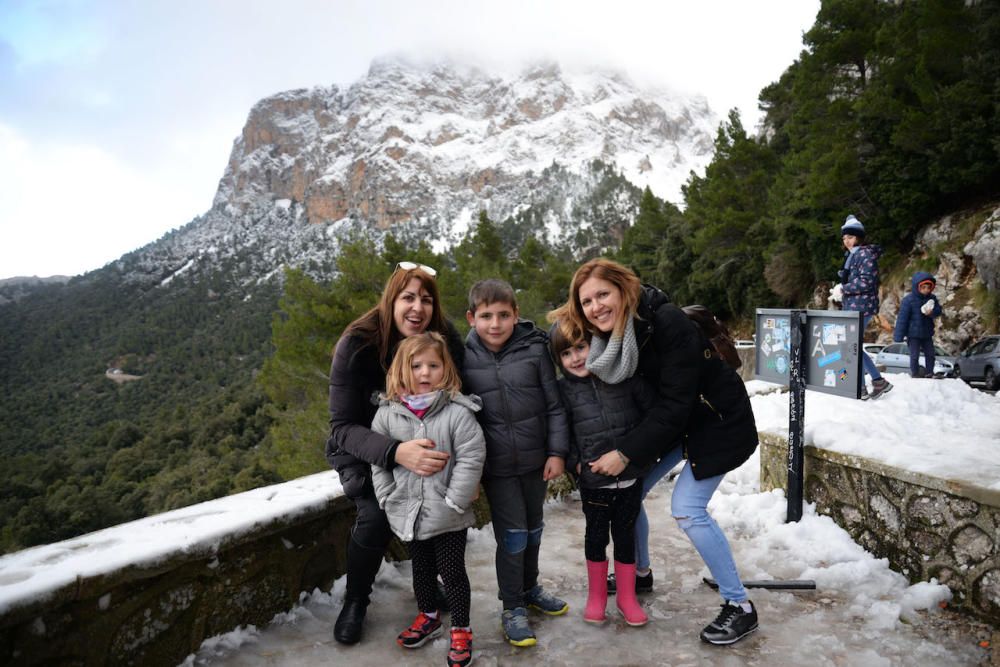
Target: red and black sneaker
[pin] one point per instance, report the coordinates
(460, 653)
(423, 629)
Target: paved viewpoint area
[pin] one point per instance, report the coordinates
(853, 618)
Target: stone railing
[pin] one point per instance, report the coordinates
(926, 527)
(202, 571)
(157, 614)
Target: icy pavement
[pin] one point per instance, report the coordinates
(862, 613)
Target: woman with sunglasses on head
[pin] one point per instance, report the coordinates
(409, 305)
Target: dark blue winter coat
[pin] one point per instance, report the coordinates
(859, 279)
(523, 416)
(911, 323)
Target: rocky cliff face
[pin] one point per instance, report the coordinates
(406, 143)
(420, 151)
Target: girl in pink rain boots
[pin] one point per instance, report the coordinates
(599, 412)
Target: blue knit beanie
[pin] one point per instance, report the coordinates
(853, 227)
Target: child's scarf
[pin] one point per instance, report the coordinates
(418, 403)
(614, 360)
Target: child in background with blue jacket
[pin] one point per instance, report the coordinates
(915, 323)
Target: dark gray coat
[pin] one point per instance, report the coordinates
(523, 418)
(598, 413)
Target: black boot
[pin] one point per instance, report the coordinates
(362, 566)
(347, 629)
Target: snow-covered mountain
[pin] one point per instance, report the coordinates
(420, 150)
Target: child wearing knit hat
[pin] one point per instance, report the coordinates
(858, 289)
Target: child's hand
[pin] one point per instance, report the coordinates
(554, 466)
(928, 307)
(610, 464)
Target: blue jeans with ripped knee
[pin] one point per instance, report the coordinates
(689, 506)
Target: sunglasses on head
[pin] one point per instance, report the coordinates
(409, 266)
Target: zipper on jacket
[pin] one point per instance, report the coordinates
(604, 414)
(710, 406)
(508, 420)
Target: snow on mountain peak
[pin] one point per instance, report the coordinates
(421, 148)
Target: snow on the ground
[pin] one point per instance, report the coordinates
(862, 612)
(942, 428)
(863, 609)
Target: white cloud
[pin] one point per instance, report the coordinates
(130, 109)
(71, 207)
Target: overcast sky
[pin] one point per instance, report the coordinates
(117, 118)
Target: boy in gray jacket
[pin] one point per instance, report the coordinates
(507, 365)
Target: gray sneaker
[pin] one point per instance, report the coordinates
(516, 628)
(538, 598)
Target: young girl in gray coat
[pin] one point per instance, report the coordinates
(432, 512)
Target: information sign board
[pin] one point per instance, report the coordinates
(832, 341)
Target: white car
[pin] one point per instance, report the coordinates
(895, 358)
(873, 348)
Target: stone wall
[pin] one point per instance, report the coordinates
(926, 527)
(158, 615)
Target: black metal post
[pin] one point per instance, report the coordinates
(796, 413)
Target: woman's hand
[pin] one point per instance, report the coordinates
(611, 464)
(554, 466)
(419, 457)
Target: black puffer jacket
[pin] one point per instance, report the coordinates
(522, 417)
(356, 379)
(598, 413)
(701, 401)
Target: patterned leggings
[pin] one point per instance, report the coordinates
(614, 511)
(445, 555)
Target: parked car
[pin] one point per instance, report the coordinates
(895, 358)
(981, 362)
(873, 348)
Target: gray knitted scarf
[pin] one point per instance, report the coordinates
(614, 360)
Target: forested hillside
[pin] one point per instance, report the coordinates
(892, 113)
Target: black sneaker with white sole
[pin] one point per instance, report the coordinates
(731, 625)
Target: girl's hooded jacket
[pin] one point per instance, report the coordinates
(701, 402)
(418, 507)
(912, 323)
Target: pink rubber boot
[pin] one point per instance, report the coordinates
(625, 598)
(597, 591)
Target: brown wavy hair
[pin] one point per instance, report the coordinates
(377, 326)
(400, 376)
(571, 315)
